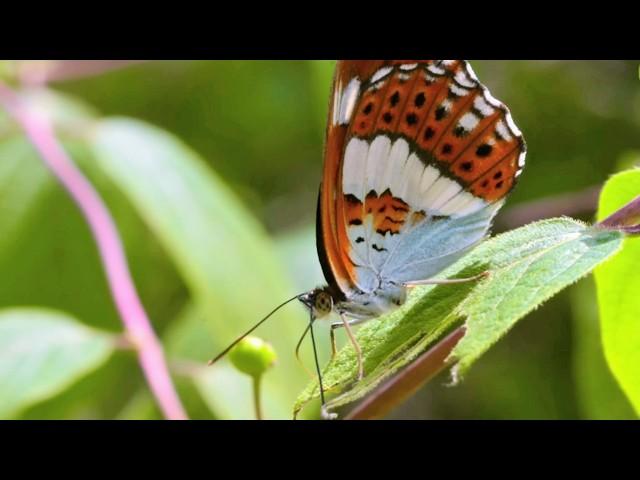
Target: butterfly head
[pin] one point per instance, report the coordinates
(319, 301)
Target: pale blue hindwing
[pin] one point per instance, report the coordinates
(432, 245)
(420, 252)
(443, 223)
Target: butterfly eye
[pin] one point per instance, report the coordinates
(324, 303)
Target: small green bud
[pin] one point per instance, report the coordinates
(252, 356)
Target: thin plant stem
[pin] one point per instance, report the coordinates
(257, 396)
(137, 325)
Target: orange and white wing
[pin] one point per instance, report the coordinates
(416, 149)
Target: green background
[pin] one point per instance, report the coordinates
(258, 129)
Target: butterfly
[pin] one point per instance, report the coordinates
(419, 158)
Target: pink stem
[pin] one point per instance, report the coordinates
(36, 74)
(134, 317)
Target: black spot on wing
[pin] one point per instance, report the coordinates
(352, 199)
(429, 133)
(441, 113)
(395, 98)
(484, 150)
(467, 166)
(383, 232)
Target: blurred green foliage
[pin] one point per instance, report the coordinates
(254, 131)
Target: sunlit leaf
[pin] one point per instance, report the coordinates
(618, 284)
(598, 395)
(527, 266)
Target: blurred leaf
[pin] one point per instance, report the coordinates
(22, 182)
(141, 406)
(42, 352)
(618, 285)
(599, 397)
(229, 394)
(297, 252)
(100, 395)
(189, 337)
(216, 244)
(528, 266)
(50, 257)
(222, 253)
(628, 160)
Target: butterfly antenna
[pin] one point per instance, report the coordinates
(237, 340)
(315, 356)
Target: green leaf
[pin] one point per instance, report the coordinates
(222, 253)
(42, 352)
(527, 266)
(598, 395)
(618, 284)
(23, 179)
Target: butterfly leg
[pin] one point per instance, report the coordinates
(447, 281)
(356, 345)
(311, 375)
(304, 334)
(332, 334)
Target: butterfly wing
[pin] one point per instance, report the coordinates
(419, 157)
(332, 234)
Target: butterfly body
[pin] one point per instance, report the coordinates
(419, 157)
